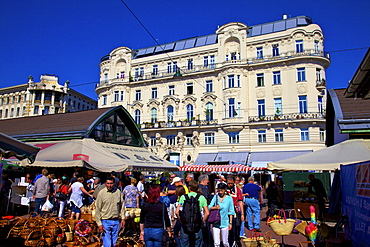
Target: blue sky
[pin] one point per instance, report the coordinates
(67, 38)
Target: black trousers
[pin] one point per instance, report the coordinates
(235, 230)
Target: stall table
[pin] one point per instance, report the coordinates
(305, 208)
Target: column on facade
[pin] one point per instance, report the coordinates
(42, 98)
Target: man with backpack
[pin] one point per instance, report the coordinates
(192, 212)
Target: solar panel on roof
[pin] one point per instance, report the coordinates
(256, 30)
(141, 52)
(201, 41)
(189, 43)
(150, 50)
(159, 48)
(179, 45)
(279, 26)
(302, 21)
(291, 23)
(211, 39)
(267, 28)
(169, 46)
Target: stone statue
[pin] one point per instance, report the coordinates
(146, 139)
(195, 139)
(180, 140)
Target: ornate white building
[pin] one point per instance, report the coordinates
(40, 98)
(226, 96)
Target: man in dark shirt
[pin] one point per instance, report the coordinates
(116, 180)
(171, 190)
(207, 234)
(252, 205)
(320, 193)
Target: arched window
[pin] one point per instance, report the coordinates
(153, 115)
(170, 113)
(137, 116)
(209, 111)
(189, 112)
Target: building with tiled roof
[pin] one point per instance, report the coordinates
(42, 98)
(348, 110)
(240, 90)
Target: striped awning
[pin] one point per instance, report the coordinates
(219, 168)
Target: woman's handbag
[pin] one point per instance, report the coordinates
(282, 226)
(164, 233)
(297, 221)
(60, 195)
(214, 215)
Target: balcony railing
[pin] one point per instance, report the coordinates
(201, 68)
(288, 116)
(176, 124)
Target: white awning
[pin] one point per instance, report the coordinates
(344, 153)
(100, 156)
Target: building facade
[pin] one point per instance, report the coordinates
(42, 98)
(242, 89)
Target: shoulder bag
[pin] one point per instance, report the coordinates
(214, 215)
(60, 195)
(164, 233)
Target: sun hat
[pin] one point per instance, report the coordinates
(175, 180)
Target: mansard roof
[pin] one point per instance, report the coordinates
(256, 30)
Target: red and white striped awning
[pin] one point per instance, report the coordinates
(219, 168)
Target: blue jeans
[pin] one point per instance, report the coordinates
(242, 229)
(191, 241)
(153, 237)
(39, 202)
(252, 209)
(110, 234)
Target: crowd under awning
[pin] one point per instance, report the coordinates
(219, 168)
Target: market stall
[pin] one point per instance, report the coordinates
(10, 147)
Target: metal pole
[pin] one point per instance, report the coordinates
(7, 205)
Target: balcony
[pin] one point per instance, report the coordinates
(177, 124)
(288, 116)
(162, 74)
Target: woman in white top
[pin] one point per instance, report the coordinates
(77, 189)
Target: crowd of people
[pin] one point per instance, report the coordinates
(175, 208)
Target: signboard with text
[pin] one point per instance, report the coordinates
(355, 180)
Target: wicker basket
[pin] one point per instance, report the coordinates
(49, 238)
(32, 240)
(96, 243)
(53, 226)
(282, 226)
(16, 229)
(72, 223)
(62, 223)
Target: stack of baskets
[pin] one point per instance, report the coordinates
(50, 231)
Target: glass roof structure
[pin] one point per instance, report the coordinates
(256, 30)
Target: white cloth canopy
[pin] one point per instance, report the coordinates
(100, 156)
(330, 158)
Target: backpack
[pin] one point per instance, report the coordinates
(190, 216)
